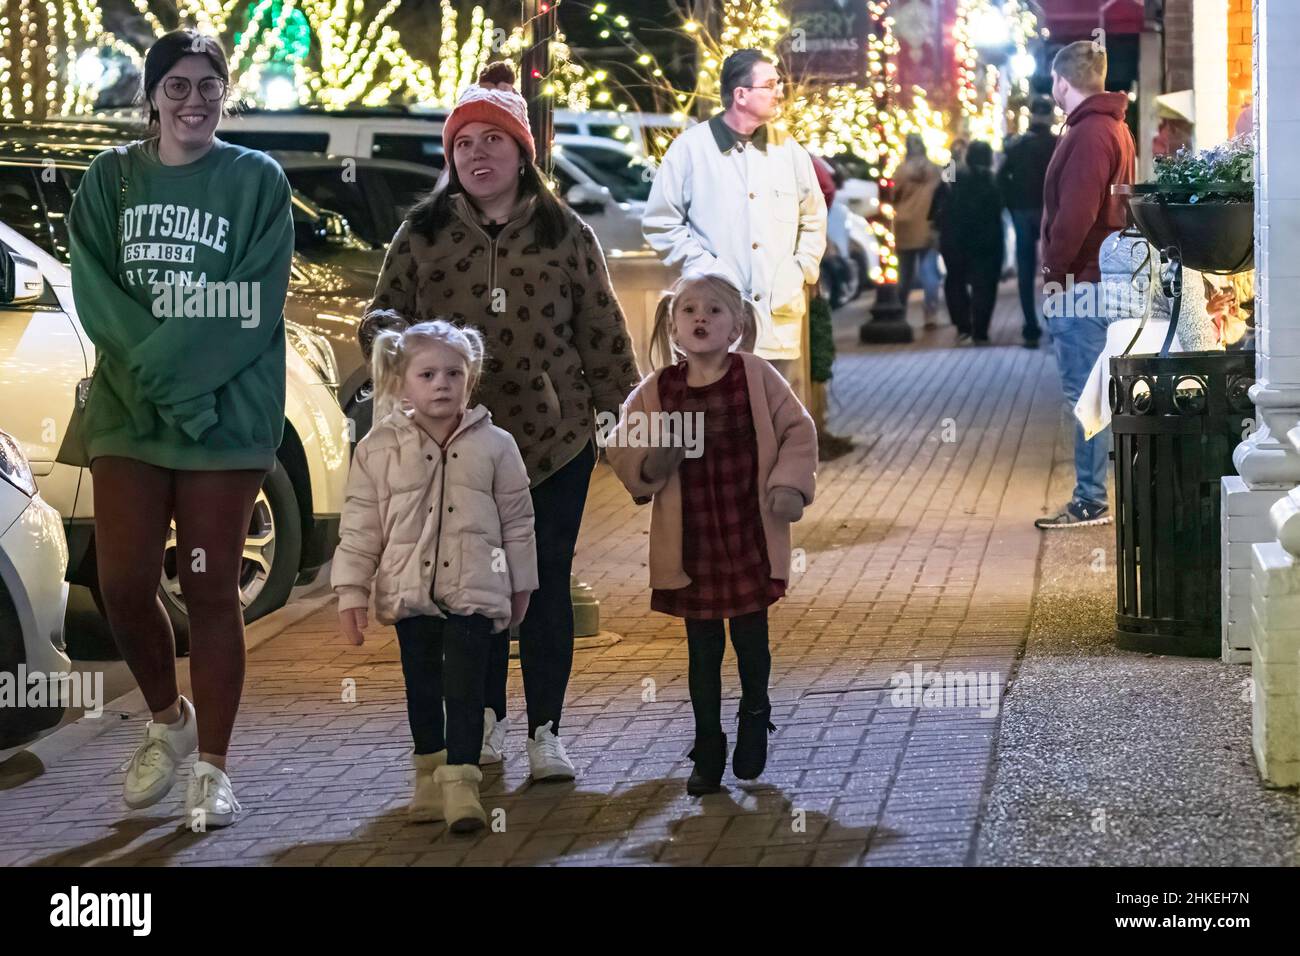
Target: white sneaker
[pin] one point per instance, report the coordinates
(494, 739)
(152, 771)
(426, 803)
(210, 800)
(547, 759)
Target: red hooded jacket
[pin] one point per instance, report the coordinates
(1095, 152)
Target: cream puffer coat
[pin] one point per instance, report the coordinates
(430, 526)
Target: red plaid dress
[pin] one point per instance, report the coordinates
(724, 551)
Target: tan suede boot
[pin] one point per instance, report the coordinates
(426, 804)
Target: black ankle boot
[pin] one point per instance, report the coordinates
(710, 756)
(751, 741)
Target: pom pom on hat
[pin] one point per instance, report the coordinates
(494, 100)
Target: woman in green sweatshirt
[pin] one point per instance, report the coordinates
(181, 247)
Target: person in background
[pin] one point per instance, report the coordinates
(914, 187)
(1020, 179)
(968, 216)
(1095, 152)
(738, 196)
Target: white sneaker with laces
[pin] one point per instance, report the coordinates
(547, 759)
(152, 771)
(210, 800)
(494, 739)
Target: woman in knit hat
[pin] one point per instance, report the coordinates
(493, 248)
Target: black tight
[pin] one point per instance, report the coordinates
(705, 644)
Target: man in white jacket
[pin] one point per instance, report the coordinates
(739, 198)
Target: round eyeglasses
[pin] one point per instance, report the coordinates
(211, 88)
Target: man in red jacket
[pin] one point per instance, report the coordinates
(1095, 152)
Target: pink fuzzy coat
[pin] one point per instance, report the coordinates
(787, 457)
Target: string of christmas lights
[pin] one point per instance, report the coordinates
(48, 77)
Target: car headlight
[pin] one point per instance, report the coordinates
(13, 465)
(315, 350)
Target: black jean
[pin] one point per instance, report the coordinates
(971, 290)
(546, 634)
(446, 660)
(705, 644)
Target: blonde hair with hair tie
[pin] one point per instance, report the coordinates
(394, 348)
(664, 351)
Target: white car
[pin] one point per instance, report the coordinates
(624, 171)
(33, 596)
(44, 352)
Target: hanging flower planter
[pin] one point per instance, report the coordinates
(1202, 205)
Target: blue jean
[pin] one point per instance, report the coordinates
(1026, 223)
(1079, 338)
(920, 264)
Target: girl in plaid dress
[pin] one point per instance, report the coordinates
(724, 496)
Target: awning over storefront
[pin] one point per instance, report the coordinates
(1070, 20)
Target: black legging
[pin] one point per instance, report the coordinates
(546, 634)
(445, 660)
(134, 502)
(705, 644)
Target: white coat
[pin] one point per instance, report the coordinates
(754, 215)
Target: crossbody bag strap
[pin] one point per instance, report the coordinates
(121, 192)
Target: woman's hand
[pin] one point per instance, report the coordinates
(519, 607)
(352, 623)
(785, 503)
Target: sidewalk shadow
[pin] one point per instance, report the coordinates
(392, 832)
(810, 829)
(126, 832)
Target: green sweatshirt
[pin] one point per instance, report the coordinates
(187, 311)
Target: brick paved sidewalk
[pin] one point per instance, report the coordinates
(920, 550)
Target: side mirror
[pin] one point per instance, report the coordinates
(20, 278)
(585, 199)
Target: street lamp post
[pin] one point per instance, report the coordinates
(539, 19)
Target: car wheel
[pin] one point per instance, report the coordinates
(18, 724)
(272, 554)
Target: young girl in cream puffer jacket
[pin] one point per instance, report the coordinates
(439, 519)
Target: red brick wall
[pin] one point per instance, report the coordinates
(1178, 44)
(1240, 57)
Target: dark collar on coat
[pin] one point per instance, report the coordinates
(725, 136)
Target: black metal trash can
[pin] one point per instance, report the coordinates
(1176, 421)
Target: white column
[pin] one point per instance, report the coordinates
(1269, 461)
(1210, 71)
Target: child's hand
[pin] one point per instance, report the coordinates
(518, 607)
(662, 460)
(785, 503)
(352, 623)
